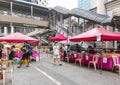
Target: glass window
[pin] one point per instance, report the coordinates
(2, 29)
(9, 30)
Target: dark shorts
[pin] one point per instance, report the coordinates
(30, 53)
(25, 56)
(11, 55)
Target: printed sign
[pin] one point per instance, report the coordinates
(116, 12)
(87, 57)
(99, 38)
(75, 55)
(104, 60)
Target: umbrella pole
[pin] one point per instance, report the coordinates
(101, 60)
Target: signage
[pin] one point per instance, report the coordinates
(99, 38)
(30, 25)
(87, 57)
(116, 12)
(104, 60)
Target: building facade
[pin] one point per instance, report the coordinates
(89, 4)
(84, 4)
(43, 3)
(104, 7)
(16, 16)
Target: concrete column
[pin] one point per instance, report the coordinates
(61, 19)
(5, 31)
(69, 26)
(50, 19)
(107, 42)
(11, 7)
(115, 42)
(54, 19)
(12, 29)
(101, 9)
(0, 29)
(31, 11)
(84, 25)
(78, 25)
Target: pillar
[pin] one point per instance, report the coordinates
(115, 42)
(101, 9)
(5, 31)
(78, 25)
(31, 11)
(12, 29)
(61, 20)
(54, 19)
(83, 25)
(11, 7)
(0, 29)
(50, 19)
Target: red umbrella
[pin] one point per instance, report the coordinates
(18, 37)
(96, 34)
(58, 37)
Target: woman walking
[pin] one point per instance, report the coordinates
(56, 54)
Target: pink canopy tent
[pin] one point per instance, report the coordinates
(18, 37)
(59, 37)
(96, 34)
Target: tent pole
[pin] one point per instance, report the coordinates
(101, 59)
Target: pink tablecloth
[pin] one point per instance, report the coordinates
(19, 55)
(74, 56)
(35, 54)
(107, 63)
(87, 58)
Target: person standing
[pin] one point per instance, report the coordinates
(11, 53)
(27, 52)
(1, 47)
(56, 53)
(65, 51)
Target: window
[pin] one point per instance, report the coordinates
(9, 30)
(2, 29)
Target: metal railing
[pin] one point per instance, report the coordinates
(22, 14)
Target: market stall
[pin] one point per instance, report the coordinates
(13, 39)
(18, 37)
(59, 37)
(98, 34)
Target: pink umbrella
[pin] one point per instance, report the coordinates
(18, 37)
(94, 34)
(58, 37)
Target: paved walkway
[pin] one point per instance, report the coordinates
(45, 73)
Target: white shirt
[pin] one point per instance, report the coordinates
(65, 48)
(56, 50)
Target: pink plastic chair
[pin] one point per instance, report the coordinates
(116, 63)
(94, 61)
(79, 59)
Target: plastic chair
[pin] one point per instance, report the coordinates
(94, 61)
(79, 59)
(116, 63)
(68, 57)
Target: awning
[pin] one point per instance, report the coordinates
(96, 34)
(85, 14)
